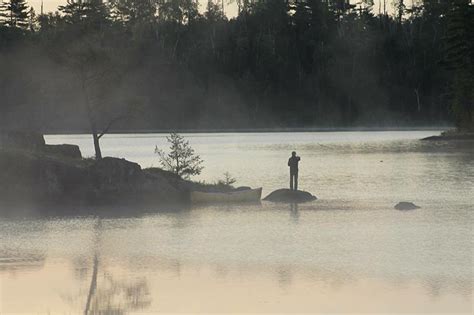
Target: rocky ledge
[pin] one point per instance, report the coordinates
(290, 196)
(55, 178)
(35, 175)
(38, 180)
(452, 135)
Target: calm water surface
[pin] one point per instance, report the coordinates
(349, 251)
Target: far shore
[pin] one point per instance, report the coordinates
(254, 130)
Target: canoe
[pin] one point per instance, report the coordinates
(248, 195)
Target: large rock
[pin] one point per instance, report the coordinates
(35, 178)
(25, 140)
(33, 141)
(290, 196)
(405, 205)
(31, 179)
(163, 187)
(116, 176)
(63, 150)
(120, 181)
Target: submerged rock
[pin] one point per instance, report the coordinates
(405, 205)
(290, 196)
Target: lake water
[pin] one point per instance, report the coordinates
(347, 252)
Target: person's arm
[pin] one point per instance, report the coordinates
(289, 162)
(299, 159)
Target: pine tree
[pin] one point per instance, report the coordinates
(15, 13)
(93, 14)
(459, 57)
(400, 7)
(32, 19)
(181, 159)
(4, 13)
(134, 11)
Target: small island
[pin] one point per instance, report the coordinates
(56, 178)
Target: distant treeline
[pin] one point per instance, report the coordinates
(145, 64)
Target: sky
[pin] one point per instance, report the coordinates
(52, 5)
(231, 9)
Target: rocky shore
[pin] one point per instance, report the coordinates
(39, 176)
(452, 135)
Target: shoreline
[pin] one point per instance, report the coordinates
(47, 175)
(451, 135)
(254, 130)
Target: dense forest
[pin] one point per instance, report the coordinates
(166, 64)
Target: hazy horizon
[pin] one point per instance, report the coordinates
(230, 6)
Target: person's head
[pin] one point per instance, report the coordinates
(293, 153)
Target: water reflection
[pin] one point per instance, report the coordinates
(285, 276)
(21, 262)
(118, 297)
(107, 295)
(268, 257)
(113, 281)
(294, 212)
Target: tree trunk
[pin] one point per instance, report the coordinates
(95, 269)
(417, 93)
(93, 285)
(98, 153)
(90, 115)
(95, 137)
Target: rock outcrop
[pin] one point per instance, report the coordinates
(36, 178)
(34, 174)
(26, 140)
(405, 205)
(34, 142)
(112, 175)
(290, 196)
(64, 150)
(42, 181)
(452, 135)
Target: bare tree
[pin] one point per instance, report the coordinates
(92, 63)
(94, 59)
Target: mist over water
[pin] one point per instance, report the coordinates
(349, 251)
(349, 166)
(100, 74)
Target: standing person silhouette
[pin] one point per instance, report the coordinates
(293, 164)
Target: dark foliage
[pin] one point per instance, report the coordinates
(277, 64)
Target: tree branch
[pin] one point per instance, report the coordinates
(109, 125)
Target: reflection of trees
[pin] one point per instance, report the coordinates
(117, 297)
(285, 276)
(93, 286)
(109, 296)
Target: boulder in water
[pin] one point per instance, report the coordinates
(290, 196)
(405, 205)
